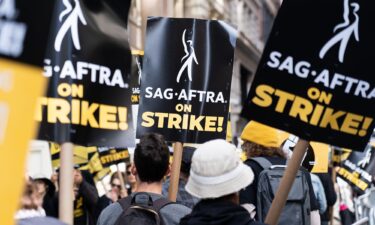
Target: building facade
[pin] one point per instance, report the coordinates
(252, 18)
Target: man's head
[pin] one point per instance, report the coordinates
(217, 171)
(151, 158)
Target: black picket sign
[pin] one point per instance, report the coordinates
(24, 27)
(186, 79)
(88, 61)
(113, 156)
(358, 168)
(315, 76)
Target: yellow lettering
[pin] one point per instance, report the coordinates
(174, 121)
(195, 123)
(107, 117)
(147, 119)
(301, 107)
(210, 124)
(161, 116)
(263, 95)
(87, 115)
(351, 123)
(284, 97)
(58, 110)
(330, 118)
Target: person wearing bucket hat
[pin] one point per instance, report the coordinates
(264, 142)
(216, 176)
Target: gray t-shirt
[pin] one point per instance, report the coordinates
(171, 213)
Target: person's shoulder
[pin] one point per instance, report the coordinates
(176, 207)
(250, 162)
(109, 214)
(173, 212)
(256, 223)
(40, 221)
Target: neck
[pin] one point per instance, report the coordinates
(154, 187)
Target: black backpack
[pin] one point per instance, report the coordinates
(141, 210)
(297, 208)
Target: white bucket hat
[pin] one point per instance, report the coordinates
(217, 170)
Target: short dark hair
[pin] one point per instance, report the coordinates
(151, 158)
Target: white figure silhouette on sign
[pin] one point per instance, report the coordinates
(366, 160)
(344, 35)
(8, 9)
(71, 22)
(189, 56)
(139, 70)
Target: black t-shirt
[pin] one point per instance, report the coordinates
(249, 194)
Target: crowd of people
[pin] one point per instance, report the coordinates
(215, 187)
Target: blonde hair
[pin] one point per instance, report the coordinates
(29, 196)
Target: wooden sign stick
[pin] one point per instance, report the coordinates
(66, 184)
(175, 171)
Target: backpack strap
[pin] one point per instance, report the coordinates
(125, 202)
(160, 203)
(262, 162)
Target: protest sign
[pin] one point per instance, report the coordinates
(23, 34)
(81, 155)
(24, 84)
(136, 75)
(88, 66)
(135, 82)
(315, 159)
(357, 168)
(186, 79)
(314, 79)
(113, 156)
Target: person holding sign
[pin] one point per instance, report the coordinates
(216, 176)
(262, 142)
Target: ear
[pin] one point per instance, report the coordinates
(133, 170)
(168, 172)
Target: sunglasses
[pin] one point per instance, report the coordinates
(128, 172)
(116, 185)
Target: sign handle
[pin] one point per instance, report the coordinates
(286, 182)
(66, 184)
(175, 171)
(123, 189)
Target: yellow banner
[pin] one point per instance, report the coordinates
(81, 154)
(321, 152)
(20, 85)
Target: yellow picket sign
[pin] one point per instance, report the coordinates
(321, 152)
(20, 85)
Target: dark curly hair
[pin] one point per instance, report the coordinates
(255, 150)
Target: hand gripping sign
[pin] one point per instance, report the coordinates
(186, 79)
